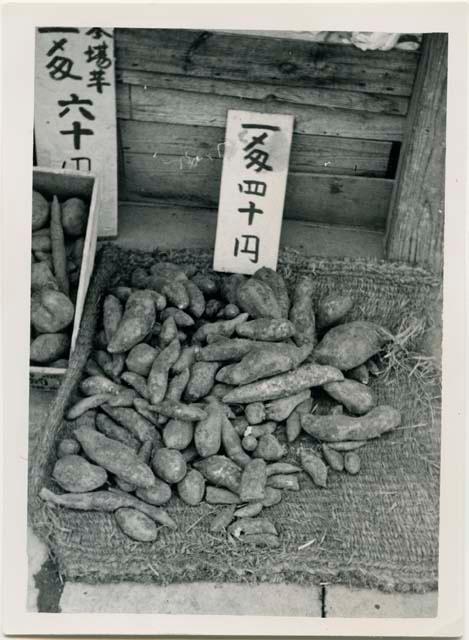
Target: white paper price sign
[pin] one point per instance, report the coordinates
(252, 192)
(75, 109)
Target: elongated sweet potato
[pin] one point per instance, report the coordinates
(137, 382)
(179, 410)
(226, 350)
(111, 429)
(112, 316)
(222, 519)
(293, 426)
(115, 457)
(168, 332)
(59, 257)
(177, 385)
(217, 495)
(186, 358)
(302, 313)
(160, 493)
(41, 211)
(314, 467)
(137, 322)
(282, 481)
(268, 329)
(107, 501)
(336, 428)
(334, 458)
(42, 277)
(304, 377)
(196, 298)
(224, 328)
(158, 376)
(76, 475)
(85, 404)
(207, 433)
(356, 397)
(349, 345)
(282, 468)
(99, 384)
(232, 443)
(133, 421)
(250, 510)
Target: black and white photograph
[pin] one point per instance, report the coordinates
(236, 321)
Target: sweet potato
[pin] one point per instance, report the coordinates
(142, 406)
(59, 257)
(41, 243)
(123, 399)
(253, 480)
(258, 430)
(140, 358)
(168, 332)
(356, 397)
(178, 434)
(201, 381)
(222, 519)
(94, 385)
(272, 496)
(267, 329)
(304, 377)
(51, 311)
(336, 428)
(191, 488)
(76, 475)
(334, 458)
(159, 494)
(41, 211)
(249, 511)
(107, 501)
(255, 413)
(85, 404)
(281, 481)
(104, 361)
(276, 282)
(224, 328)
(158, 376)
(293, 426)
(256, 298)
(74, 217)
(216, 495)
(232, 443)
(352, 462)
(60, 363)
(207, 433)
(42, 277)
(347, 445)
(159, 299)
(302, 313)
(196, 298)
(136, 525)
(221, 471)
(47, 347)
(269, 448)
(111, 429)
(349, 345)
(137, 322)
(230, 311)
(112, 316)
(177, 385)
(240, 424)
(332, 309)
(137, 382)
(229, 349)
(282, 468)
(230, 285)
(143, 429)
(173, 409)
(314, 467)
(181, 318)
(249, 443)
(186, 359)
(207, 284)
(169, 465)
(280, 409)
(115, 457)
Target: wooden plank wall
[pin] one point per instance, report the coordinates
(175, 87)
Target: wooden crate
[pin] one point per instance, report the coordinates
(67, 184)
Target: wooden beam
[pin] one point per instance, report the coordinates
(416, 217)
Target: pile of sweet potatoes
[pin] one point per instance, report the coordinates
(58, 236)
(196, 390)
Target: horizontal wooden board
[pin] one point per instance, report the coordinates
(144, 227)
(259, 59)
(184, 107)
(316, 198)
(313, 96)
(316, 154)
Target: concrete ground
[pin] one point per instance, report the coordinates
(47, 593)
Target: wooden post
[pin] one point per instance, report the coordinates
(416, 218)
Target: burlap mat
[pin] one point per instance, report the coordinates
(377, 529)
